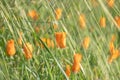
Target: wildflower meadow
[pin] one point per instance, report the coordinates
(59, 39)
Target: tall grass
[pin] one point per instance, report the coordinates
(50, 63)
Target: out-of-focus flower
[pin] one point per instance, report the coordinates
(102, 22)
(110, 3)
(86, 42)
(10, 47)
(111, 47)
(28, 49)
(48, 42)
(76, 63)
(82, 21)
(60, 39)
(33, 14)
(68, 70)
(58, 13)
(114, 56)
(117, 19)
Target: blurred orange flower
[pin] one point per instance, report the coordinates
(86, 42)
(113, 38)
(102, 22)
(110, 3)
(48, 42)
(68, 71)
(58, 13)
(82, 21)
(44, 40)
(117, 19)
(76, 63)
(114, 56)
(60, 39)
(33, 14)
(111, 47)
(10, 47)
(114, 53)
(28, 49)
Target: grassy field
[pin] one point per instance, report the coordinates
(29, 49)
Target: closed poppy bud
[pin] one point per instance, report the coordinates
(58, 13)
(68, 71)
(10, 47)
(33, 14)
(102, 21)
(114, 56)
(60, 39)
(86, 42)
(117, 19)
(110, 3)
(82, 21)
(76, 63)
(28, 49)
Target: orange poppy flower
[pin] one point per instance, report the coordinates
(48, 42)
(68, 71)
(113, 56)
(110, 3)
(102, 21)
(33, 14)
(82, 21)
(111, 47)
(86, 42)
(117, 19)
(77, 60)
(10, 47)
(60, 39)
(58, 13)
(28, 49)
